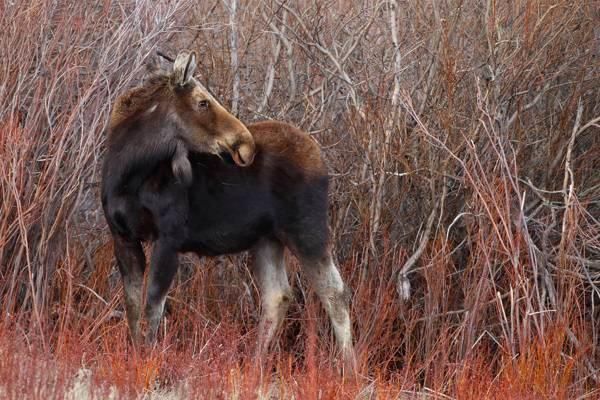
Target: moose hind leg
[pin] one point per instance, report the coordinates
(162, 271)
(325, 278)
(132, 262)
(270, 272)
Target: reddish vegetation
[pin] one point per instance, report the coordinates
(464, 161)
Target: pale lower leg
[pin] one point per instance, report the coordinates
(333, 293)
(132, 262)
(162, 271)
(133, 300)
(275, 291)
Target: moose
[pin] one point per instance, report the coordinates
(182, 172)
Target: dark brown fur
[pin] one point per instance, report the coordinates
(134, 102)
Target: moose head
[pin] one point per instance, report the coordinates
(204, 124)
(172, 113)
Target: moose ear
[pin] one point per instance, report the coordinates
(184, 67)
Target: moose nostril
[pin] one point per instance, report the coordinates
(246, 153)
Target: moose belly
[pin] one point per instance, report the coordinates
(229, 221)
(226, 236)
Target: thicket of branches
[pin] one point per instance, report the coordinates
(463, 144)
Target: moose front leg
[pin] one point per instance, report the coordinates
(162, 271)
(132, 262)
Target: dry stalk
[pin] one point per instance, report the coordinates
(233, 49)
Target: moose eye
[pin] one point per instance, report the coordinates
(203, 104)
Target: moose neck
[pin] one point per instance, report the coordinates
(135, 150)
